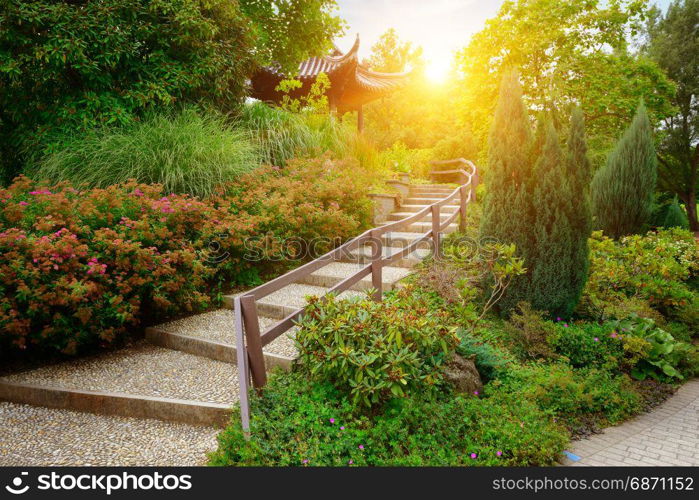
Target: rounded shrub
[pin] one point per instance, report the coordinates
(187, 151)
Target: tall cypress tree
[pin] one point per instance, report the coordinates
(622, 190)
(543, 209)
(510, 142)
(579, 174)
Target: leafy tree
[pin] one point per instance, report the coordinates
(622, 190)
(420, 115)
(289, 31)
(391, 55)
(70, 65)
(570, 53)
(674, 44)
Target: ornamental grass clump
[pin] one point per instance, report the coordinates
(190, 152)
(375, 351)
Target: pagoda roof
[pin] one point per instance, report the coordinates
(351, 83)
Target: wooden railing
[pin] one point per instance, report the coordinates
(250, 341)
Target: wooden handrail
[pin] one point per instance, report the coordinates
(249, 339)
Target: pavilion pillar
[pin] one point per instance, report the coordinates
(360, 119)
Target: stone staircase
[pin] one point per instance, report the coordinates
(184, 370)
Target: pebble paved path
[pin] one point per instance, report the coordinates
(668, 435)
(31, 435)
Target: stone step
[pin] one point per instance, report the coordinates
(285, 301)
(416, 208)
(334, 273)
(431, 189)
(423, 227)
(142, 381)
(363, 256)
(396, 216)
(422, 200)
(431, 196)
(432, 186)
(212, 335)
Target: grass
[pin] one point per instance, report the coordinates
(187, 151)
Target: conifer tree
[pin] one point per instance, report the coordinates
(510, 143)
(579, 174)
(622, 190)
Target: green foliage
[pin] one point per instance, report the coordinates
(83, 268)
(622, 190)
(490, 362)
(280, 135)
(569, 53)
(374, 351)
(664, 355)
(289, 31)
(530, 332)
(291, 425)
(674, 45)
(533, 207)
(70, 66)
(505, 210)
(556, 251)
(578, 398)
(399, 158)
(650, 275)
(588, 344)
(187, 152)
(675, 216)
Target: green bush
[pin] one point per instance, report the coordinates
(70, 65)
(530, 333)
(490, 363)
(651, 275)
(579, 398)
(588, 344)
(622, 190)
(83, 268)
(675, 216)
(298, 422)
(187, 152)
(664, 355)
(374, 351)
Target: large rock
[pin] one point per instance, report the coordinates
(462, 373)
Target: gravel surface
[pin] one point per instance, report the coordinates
(218, 326)
(143, 370)
(295, 294)
(34, 436)
(345, 270)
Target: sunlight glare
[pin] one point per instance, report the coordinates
(437, 70)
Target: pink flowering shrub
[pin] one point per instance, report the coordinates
(80, 268)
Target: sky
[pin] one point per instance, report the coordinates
(441, 27)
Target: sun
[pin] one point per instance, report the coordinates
(437, 70)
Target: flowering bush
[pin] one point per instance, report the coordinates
(641, 274)
(375, 350)
(81, 267)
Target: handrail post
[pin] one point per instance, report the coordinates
(377, 266)
(462, 208)
(474, 184)
(436, 222)
(243, 369)
(254, 343)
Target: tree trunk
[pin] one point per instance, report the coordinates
(690, 203)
